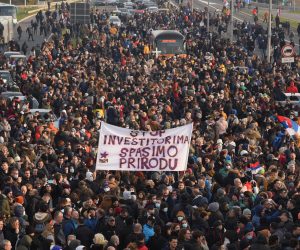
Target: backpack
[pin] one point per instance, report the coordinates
(39, 227)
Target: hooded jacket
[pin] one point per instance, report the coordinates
(4, 206)
(24, 243)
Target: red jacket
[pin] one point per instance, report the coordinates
(292, 88)
(143, 248)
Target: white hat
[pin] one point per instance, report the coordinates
(244, 152)
(81, 247)
(17, 158)
(89, 176)
(232, 143)
(127, 195)
(219, 141)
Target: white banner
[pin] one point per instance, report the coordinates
(131, 150)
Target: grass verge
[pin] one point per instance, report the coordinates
(293, 23)
(22, 12)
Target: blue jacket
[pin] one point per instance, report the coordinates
(148, 232)
(91, 223)
(70, 227)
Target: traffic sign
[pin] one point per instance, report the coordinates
(288, 51)
(287, 59)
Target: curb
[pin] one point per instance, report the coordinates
(43, 8)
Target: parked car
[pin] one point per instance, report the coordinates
(46, 115)
(115, 20)
(8, 94)
(130, 5)
(104, 2)
(124, 12)
(8, 81)
(148, 4)
(34, 105)
(8, 54)
(20, 97)
(152, 9)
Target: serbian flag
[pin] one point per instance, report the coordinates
(291, 126)
(255, 167)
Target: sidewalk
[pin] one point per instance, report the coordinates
(293, 18)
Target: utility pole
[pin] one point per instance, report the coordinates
(269, 32)
(231, 21)
(207, 16)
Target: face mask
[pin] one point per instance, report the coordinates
(165, 209)
(249, 237)
(184, 225)
(133, 197)
(15, 176)
(199, 115)
(72, 170)
(180, 218)
(157, 205)
(150, 213)
(106, 189)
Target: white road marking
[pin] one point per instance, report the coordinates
(210, 5)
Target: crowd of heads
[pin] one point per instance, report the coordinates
(241, 186)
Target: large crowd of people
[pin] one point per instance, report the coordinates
(241, 186)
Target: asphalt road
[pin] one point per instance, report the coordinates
(240, 16)
(215, 5)
(38, 40)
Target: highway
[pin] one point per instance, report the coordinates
(240, 16)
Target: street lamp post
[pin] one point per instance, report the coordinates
(231, 21)
(269, 32)
(207, 16)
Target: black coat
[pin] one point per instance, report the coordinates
(85, 235)
(11, 235)
(96, 247)
(157, 242)
(40, 243)
(109, 231)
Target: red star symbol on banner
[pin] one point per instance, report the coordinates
(104, 154)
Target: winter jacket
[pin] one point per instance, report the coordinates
(108, 231)
(148, 231)
(11, 235)
(85, 235)
(25, 243)
(70, 227)
(40, 243)
(157, 242)
(59, 236)
(4, 206)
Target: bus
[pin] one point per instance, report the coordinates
(9, 10)
(167, 42)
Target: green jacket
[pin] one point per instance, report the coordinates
(4, 206)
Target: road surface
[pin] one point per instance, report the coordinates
(38, 40)
(240, 16)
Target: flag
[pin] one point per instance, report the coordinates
(291, 126)
(255, 167)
